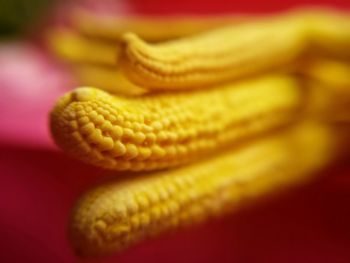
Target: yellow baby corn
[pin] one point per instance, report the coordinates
(152, 28)
(232, 52)
(168, 129)
(113, 216)
(90, 43)
(74, 48)
(213, 57)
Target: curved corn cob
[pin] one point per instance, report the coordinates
(111, 217)
(233, 52)
(74, 48)
(96, 43)
(152, 29)
(214, 57)
(164, 130)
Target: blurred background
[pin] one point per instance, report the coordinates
(39, 184)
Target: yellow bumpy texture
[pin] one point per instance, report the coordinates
(168, 129)
(233, 52)
(212, 57)
(113, 216)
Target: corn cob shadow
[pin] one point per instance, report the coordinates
(169, 129)
(329, 32)
(328, 85)
(114, 216)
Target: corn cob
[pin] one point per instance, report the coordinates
(74, 48)
(213, 57)
(153, 29)
(92, 45)
(169, 129)
(113, 216)
(232, 52)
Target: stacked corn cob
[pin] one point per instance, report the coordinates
(219, 117)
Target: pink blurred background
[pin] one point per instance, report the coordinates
(39, 184)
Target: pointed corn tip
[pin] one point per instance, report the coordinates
(83, 94)
(79, 94)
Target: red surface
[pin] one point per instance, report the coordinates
(39, 187)
(229, 6)
(39, 184)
